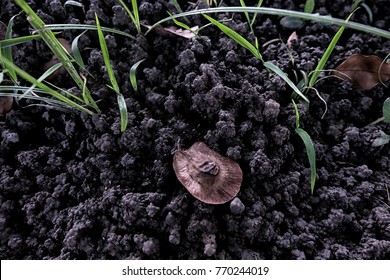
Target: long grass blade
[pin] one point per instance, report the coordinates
(114, 84)
(122, 111)
(309, 146)
(55, 27)
(24, 75)
(134, 16)
(326, 55)
(7, 52)
(236, 37)
(311, 155)
(282, 12)
(76, 52)
(274, 68)
(386, 110)
(133, 74)
(106, 57)
(55, 46)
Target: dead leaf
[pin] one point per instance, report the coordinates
(363, 71)
(174, 31)
(292, 37)
(5, 104)
(207, 175)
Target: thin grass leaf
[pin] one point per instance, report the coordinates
(123, 111)
(255, 15)
(46, 74)
(74, 3)
(106, 57)
(355, 4)
(114, 84)
(54, 27)
(134, 16)
(76, 52)
(84, 92)
(369, 12)
(24, 75)
(7, 52)
(56, 47)
(18, 40)
(309, 6)
(236, 37)
(282, 12)
(181, 24)
(274, 68)
(13, 93)
(133, 74)
(309, 146)
(326, 55)
(386, 110)
(311, 155)
(137, 23)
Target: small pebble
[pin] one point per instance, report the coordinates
(236, 206)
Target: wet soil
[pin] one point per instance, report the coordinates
(72, 186)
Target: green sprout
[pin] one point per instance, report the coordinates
(133, 15)
(114, 84)
(56, 47)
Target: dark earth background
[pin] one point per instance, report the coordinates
(72, 186)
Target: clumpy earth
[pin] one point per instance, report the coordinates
(72, 186)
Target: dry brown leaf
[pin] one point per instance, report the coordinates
(363, 71)
(292, 37)
(207, 175)
(5, 104)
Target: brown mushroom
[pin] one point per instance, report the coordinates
(207, 175)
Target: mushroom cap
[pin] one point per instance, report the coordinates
(207, 175)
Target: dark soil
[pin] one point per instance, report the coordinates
(73, 187)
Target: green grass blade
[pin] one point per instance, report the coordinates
(137, 23)
(106, 57)
(133, 76)
(326, 55)
(134, 16)
(282, 12)
(76, 52)
(255, 15)
(236, 37)
(55, 27)
(181, 24)
(356, 4)
(386, 110)
(7, 52)
(114, 84)
(123, 111)
(74, 3)
(309, 146)
(274, 68)
(46, 74)
(19, 40)
(24, 75)
(311, 155)
(309, 6)
(55, 46)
